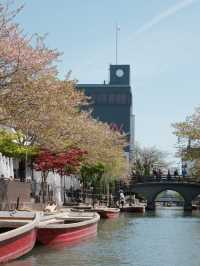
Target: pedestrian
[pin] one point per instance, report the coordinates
(159, 174)
(175, 172)
(168, 175)
(111, 200)
(154, 173)
(122, 198)
(184, 172)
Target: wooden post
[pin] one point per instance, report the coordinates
(17, 207)
(108, 194)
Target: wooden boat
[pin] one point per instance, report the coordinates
(138, 208)
(107, 213)
(104, 212)
(195, 207)
(67, 227)
(17, 234)
(85, 207)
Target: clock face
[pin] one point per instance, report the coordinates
(119, 73)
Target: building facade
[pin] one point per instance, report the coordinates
(112, 102)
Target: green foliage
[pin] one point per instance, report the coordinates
(92, 174)
(10, 145)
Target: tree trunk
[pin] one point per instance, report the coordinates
(44, 187)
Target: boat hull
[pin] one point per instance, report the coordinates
(67, 228)
(136, 209)
(108, 214)
(18, 246)
(57, 236)
(18, 237)
(194, 207)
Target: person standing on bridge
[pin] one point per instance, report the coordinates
(159, 174)
(155, 174)
(168, 175)
(176, 173)
(184, 172)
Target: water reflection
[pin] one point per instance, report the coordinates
(167, 237)
(22, 262)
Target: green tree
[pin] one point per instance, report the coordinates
(91, 175)
(12, 145)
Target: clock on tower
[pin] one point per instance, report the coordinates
(119, 74)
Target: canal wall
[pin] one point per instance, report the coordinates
(13, 193)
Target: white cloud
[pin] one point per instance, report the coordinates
(165, 14)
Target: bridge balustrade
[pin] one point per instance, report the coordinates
(164, 179)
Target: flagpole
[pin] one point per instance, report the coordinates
(116, 48)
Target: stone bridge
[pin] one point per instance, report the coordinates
(150, 188)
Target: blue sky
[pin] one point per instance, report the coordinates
(160, 39)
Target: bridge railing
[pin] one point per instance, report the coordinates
(164, 179)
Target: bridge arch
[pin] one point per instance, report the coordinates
(159, 192)
(169, 197)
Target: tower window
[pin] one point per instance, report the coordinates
(112, 99)
(102, 98)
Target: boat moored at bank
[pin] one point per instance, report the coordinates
(108, 213)
(137, 208)
(17, 234)
(67, 227)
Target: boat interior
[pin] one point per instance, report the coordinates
(13, 219)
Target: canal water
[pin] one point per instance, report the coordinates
(166, 237)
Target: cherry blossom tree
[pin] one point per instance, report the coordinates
(188, 134)
(21, 56)
(48, 111)
(43, 110)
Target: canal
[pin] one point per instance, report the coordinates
(166, 237)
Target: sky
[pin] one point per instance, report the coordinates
(160, 39)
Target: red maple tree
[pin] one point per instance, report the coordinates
(64, 163)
